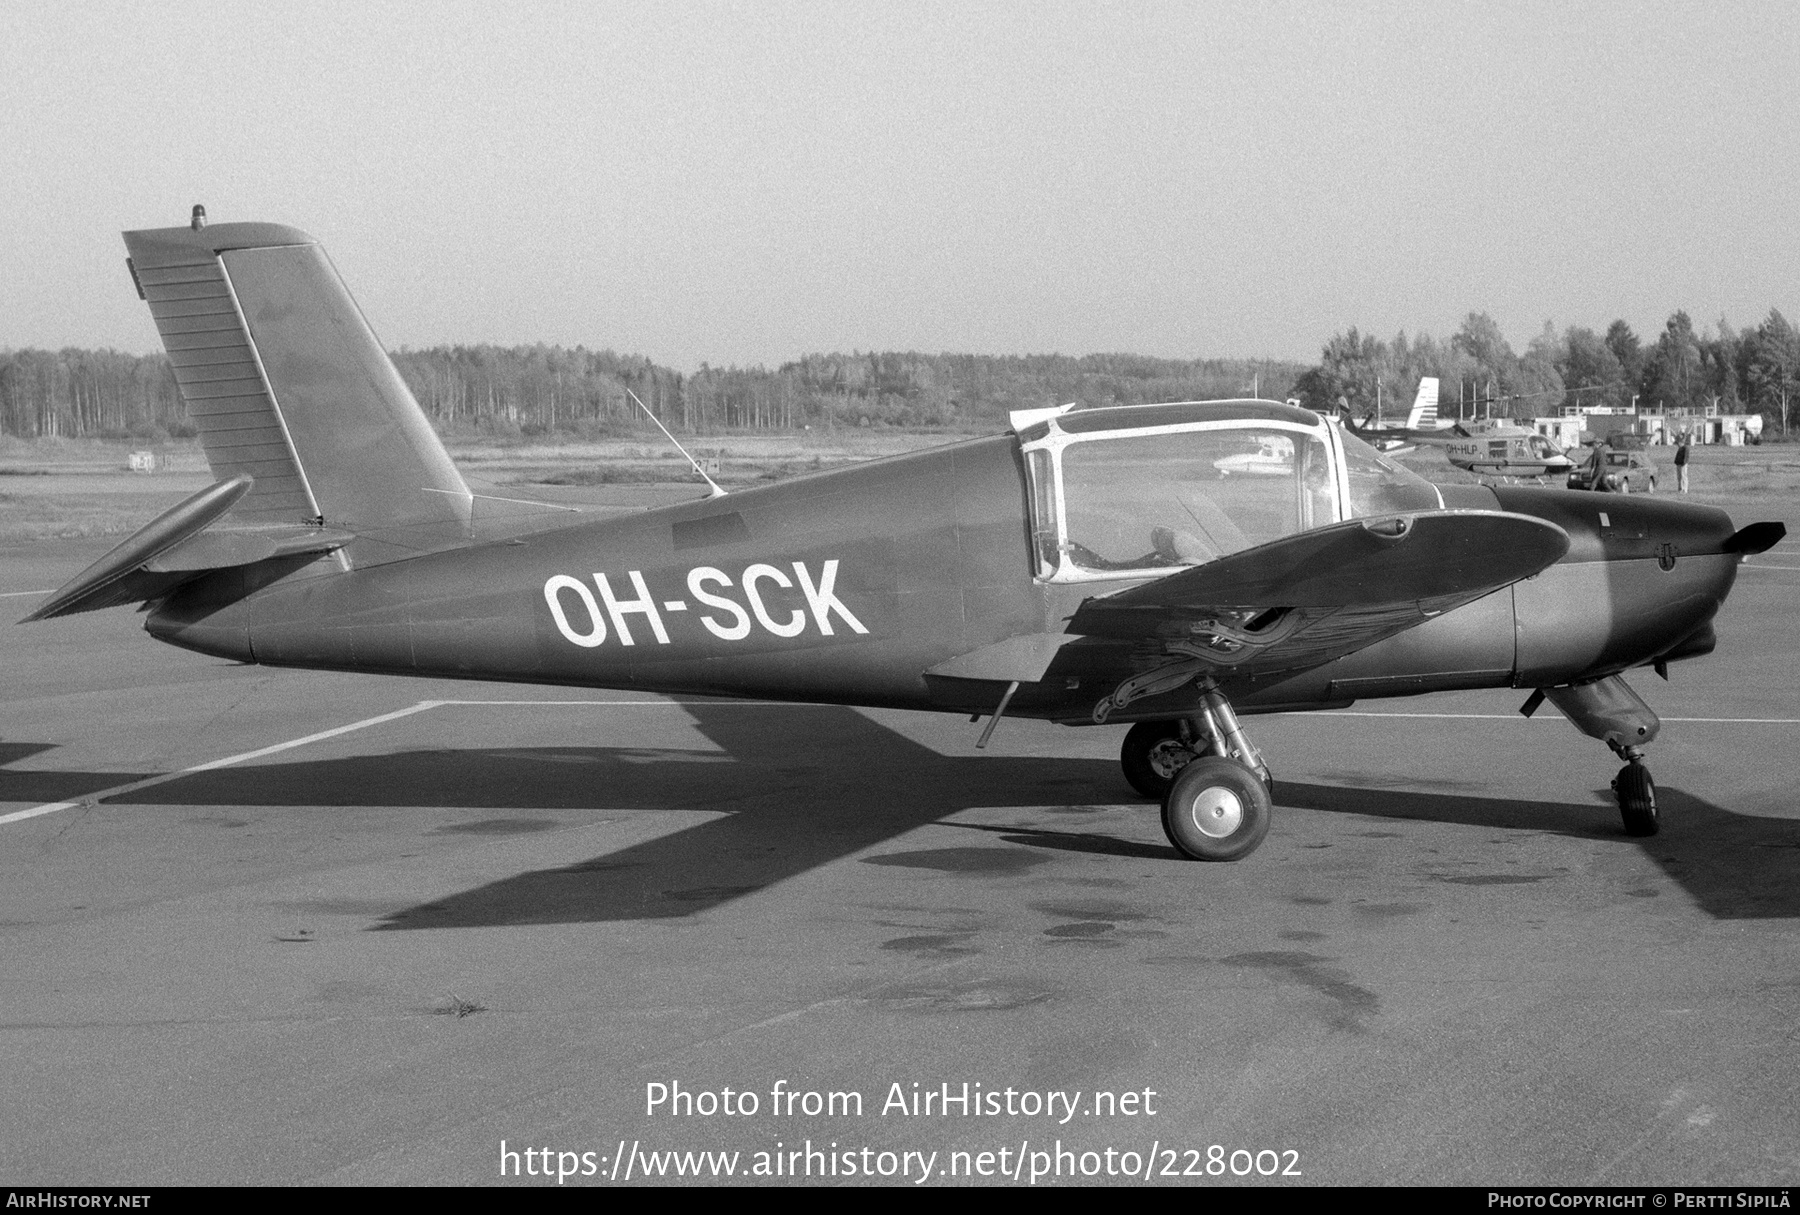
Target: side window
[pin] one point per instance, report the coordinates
(1317, 493)
(1380, 486)
(1043, 513)
(1146, 502)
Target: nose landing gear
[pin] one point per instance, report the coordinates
(1607, 709)
(1637, 796)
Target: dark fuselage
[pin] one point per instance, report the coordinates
(847, 586)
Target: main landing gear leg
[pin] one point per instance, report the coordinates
(1155, 752)
(1218, 806)
(1607, 709)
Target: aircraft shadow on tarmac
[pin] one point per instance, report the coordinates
(1733, 865)
(46, 786)
(806, 785)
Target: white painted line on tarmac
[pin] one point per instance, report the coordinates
(17, 594)
(423, 706)
(52, 808)
(1686, 721)
(92, 798)
(301, 742)
(1757, 565)
(1360, 713)
(746, 704)
(1735, 721)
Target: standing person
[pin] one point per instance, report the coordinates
(1593, 474)
(1681, 463)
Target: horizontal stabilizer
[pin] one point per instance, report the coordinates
(175, 547)
(227, 547)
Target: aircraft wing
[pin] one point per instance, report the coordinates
(1306, 599)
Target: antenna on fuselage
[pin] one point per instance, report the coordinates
(716, 491)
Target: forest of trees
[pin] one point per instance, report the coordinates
(76, 393)
(1757, 370)
(536, 390)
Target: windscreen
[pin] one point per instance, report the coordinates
(1151, 501)
(1381, 486)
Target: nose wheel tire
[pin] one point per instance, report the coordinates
(1216, 810)
(1153, 755)
(1637, 799)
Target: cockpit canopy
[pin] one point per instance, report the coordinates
(1139, 490)
(1543, 448)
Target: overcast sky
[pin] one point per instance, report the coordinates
(746, 183)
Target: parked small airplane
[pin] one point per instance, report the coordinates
(1274, 457)
(1421, 422)
(1087, 566)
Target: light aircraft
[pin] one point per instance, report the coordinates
(1421, 422)
(1273, 457)
(1086, 567)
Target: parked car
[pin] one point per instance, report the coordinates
(1626, 472)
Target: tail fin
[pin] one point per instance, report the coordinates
(1424, 410)
(286, 382)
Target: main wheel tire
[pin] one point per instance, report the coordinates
(1217, 810)
(1637, 799)
(1152, 756)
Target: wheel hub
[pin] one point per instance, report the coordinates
(1216, 812)
(1168, 758)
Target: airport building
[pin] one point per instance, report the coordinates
(1654, 424)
